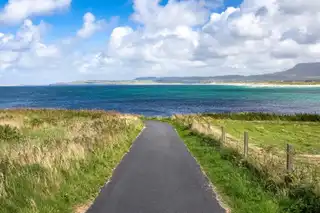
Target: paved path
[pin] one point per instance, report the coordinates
(158, 175)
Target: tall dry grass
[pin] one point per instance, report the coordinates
(42, 150)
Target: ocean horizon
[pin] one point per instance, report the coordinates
(165, 100)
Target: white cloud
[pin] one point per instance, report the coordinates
(187, 13)
(260, 29)
(27, 35)
(90, 26)
(249, 26)
(25, 49)
(299, 6)
(43, 50)
(178, 39)
(17, 10)
(286, 49)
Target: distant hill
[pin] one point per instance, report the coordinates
(146, 79)
(305, 71)
(300, 72)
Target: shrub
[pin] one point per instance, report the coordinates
(8, 133)
(36, 122)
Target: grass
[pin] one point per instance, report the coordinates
(268, 136)
(240, 189)
(304, 136)
(268, 131)
(260, 116)
(260, 182)
(56, 160)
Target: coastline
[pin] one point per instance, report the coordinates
(251, 84)
(268, 85)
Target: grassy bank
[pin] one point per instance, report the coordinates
(56, 160)
(239, 189)
(258, 183)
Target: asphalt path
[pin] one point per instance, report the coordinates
(158, 175)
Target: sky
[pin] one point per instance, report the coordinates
(48, 41)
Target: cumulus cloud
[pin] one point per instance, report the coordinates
(286, 49)
(299, 6)
(90, 26)
(25, 49)
(151, 15)
(17, 10)
(183, 38)
(27, 35)
(256, 37)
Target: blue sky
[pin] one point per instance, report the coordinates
(66, 22)
(66, 40)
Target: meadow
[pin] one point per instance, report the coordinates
(274, 134)
(57, 160)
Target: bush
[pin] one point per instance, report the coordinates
(36, 122)
(8, 133)
(305, 200)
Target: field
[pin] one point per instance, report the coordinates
(260, 181)
(304, 136)
(269, 134)
(56, 160)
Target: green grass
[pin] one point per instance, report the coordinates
(238, 187)
(259, 183)
(260, 116)
(56, 160)
(267, 130)
(304, 136)
(241, 187)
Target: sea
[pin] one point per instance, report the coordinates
(165, 100)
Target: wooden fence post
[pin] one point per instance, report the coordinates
(289, 158)
(223, 134)
(246, 144)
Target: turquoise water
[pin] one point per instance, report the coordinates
(163, 100)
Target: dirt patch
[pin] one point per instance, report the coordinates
(13, 123)
(310, 156)
(82, 208)
(314, 159)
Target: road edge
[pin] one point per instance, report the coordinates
(210, 184)
(86, 207)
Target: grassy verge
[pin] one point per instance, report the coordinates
(56, 160)
(255, 184)
(241, 186)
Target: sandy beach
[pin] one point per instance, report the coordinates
(268, 85)
(252, 84)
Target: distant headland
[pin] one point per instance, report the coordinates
(304, 74)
